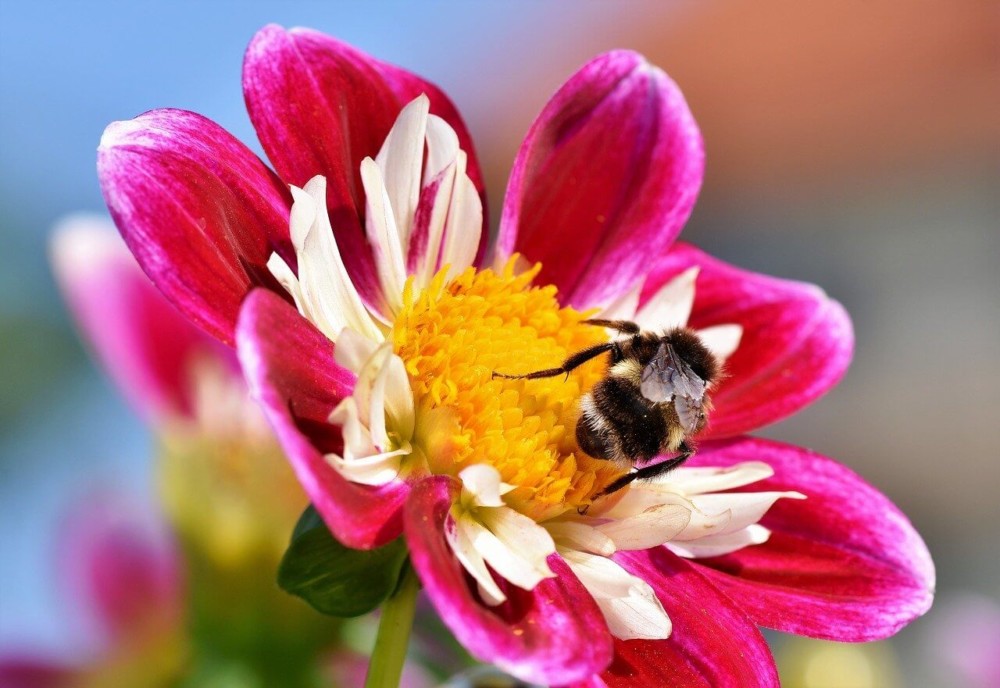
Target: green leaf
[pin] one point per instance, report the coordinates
(333, 578)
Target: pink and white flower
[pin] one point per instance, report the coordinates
(369, 315)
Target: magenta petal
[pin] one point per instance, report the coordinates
(608, 173)
(713, 643)
(554, 634)
(320, 107)
(146, 345)
(121, 567)
(797, 342)
(290, 369)
(843, 564)
(200, 211)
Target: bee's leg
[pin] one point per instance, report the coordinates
(623, 326)
(647, 472)
(574, 361)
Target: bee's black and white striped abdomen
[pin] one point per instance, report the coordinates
(618, 423)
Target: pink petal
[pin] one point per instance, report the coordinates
(713, 643)
(843, 564)
(121, 567)
(796, 344)
(201, 213)
(553, 634)
(290, 369)
(608, 173)
(321, 106)
(144, 342)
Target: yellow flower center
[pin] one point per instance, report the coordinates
(452, 337)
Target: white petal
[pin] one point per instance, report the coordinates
(383, 235)
(326, 288)
(624, 307)
(482, 482)
(365, 385)
(401, 162)
(377, 416)
(457, 534)
(384, 397)
(376, 404)
(452, 221)
(373, 469)
(704, 524)
(642, 496)
(530, 541)
(301, 217)
(398, 398)
(357, 438)
(744, 508)
(287, 279)
(353, 350)
(464, 225)
(362, 462)
(427, 264)
(648, 529)
(722, 340)
(629, 605)
(692, 481)
(580, 536)
(442, 147)
(717, 545)
(671, 305)
(516, 556)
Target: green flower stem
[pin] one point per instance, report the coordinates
(387, 660)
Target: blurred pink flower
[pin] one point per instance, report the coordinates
(665, 582)
(123, 574)
(220, 473)
(149, 349)
(123, 566)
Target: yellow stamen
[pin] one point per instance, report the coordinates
(453, 336)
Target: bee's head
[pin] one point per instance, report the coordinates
(690, 348)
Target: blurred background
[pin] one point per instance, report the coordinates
(852, 144)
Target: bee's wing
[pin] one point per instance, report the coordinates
(668, 378)
(657, 381)
(689, 413)
(689, 392)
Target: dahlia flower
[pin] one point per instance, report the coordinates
(370, 312)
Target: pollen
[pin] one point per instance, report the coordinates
(453, 336)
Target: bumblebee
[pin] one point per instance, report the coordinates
(654, 398)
